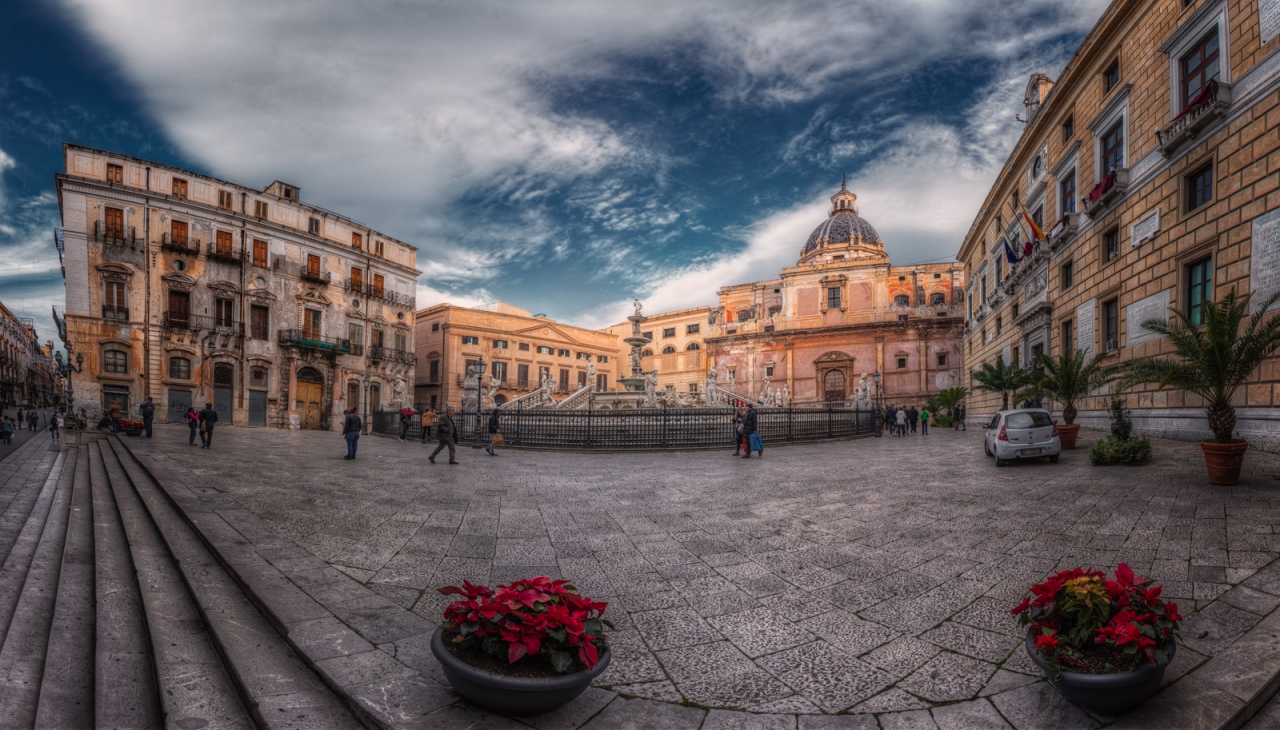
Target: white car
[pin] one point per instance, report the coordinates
(1023, 433)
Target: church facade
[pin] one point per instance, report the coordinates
(842, 311)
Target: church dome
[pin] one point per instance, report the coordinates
(843, 226)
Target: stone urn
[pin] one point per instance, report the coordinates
(1223, 461)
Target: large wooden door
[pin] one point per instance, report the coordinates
(833, 385)
(310, 399)
(179, 307)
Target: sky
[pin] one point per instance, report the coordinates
(561, 155)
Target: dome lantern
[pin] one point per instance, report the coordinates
(843, 228)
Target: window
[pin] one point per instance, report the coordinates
(564, 380)
(744, 316)
(357, 279)
(499, 371)
(115, 305)
(693, 346)
(378, 284)
(833, 297)
(1111, 324)
(602, 382)
(1015, 311)
(692, 329)
(179, 368)
(522, 376)
(259, 377)
(1199, 289)
(435, 327)
(669, 332)
(937, 299)
(523, 347)
(377, 248)
(179, 188)
(115, 174)
(668, 350)
(584, 356)
(1068, 338)
(1199, 185)
(260, 209)
(311, 320)
(1068, 274)
(260, 254)
(942, 359)
(222, 312)
(999, 326)
(647, 335)
(544, 350)
(258, 317)
(1113, 148)
(500, 344)
(313, 265)
(434, 370)
(902, 363)
(562, 353)
(470, 340)
(401, 342)
(602, 358)
(774, 312)
(179, 308)
(1111, 244)
(768, 371)
(115, 361)
(646, 352)
(114, 220)
(1067, 192)
(178, 232)
(313, 226)
(582, 378)
(377, 337)
(1111, 77)
(1068, 129)
(357, 241)
(223, 243)
(1200, 66)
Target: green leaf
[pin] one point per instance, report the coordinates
(468, 629)
(561, 660)
(491, 645)
(1162, 657)
(558, 634)
(593, 626)
(608, 623)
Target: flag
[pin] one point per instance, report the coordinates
(1009, 253)
(1036, 232)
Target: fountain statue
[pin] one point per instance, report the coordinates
(636, 380)
(713, 393)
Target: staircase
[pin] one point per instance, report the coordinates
(114, 614)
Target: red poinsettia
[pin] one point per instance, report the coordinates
(527, 618)
(1078, 613)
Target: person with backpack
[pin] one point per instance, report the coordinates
(750, 420)
(351, 432)
(495, 433)
(193, 422)
(148, 411)
(428, 420)
(55, 427)
(901, 417)
(406, 419)
(448, 431)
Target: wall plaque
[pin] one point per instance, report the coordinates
(1145, 229)
(1007, 354)
(1155, 306)
(1084, 326)
(1264, 266)
(1268, 19)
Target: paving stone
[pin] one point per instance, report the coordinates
(1251, 600)
(890, 700)
(849, 632)
(326, 638)
(625, 714)
(1041, 706)
(948, 677)
(725, 720)
(664, 691)
(915, 720)
(717, 659)
(902, 656)
(1004, 680)
(721, 603)
(972, 642)
(739, 690)
(975, 715)
(838, 722)
(789, 705)
(574, 714)
(829, 677)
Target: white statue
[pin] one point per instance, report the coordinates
(399, 391)
(767, 399)
(862, 394)
(713, 393)
(549, 388)
(637, 301)
(784, 398)
(490, 391)
(730, 383)
(651, 388)
(635, 359)
(591, 375)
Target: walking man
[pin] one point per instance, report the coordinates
(406, 417)
(902, 422)
(208, 417)
(428, 420)
(495, 429)
(351, 432)
(54, 427)
(924, 421)
(448, 431)
(148, 413)
(960, 418)
(738, 440)
(913, 416)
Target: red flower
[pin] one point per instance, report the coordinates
(1047, 640)
(1021, 606)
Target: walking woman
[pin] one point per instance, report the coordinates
(54, 427)
(193, 423)
(495, 433)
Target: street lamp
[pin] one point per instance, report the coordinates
(875, 422)
(65, 371)
(366, 404)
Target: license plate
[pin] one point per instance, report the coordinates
(1031, 452)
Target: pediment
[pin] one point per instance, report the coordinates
(115, 272)
(546, 329)
(261, 296)
(313, 294)
(831, 357)
(178, 281)
(225, 286)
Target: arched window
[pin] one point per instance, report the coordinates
(115, 361)
(937, 300)
(902, 300)
(646, 352)
(180, 368)
(693, 346)
(668, 350)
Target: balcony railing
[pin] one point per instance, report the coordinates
(197, 322)
(230, 255)
(378, 292)
(1064, 230)
(388, 354)
(109, 312)
(1208, 106)
(357, 350)
(184, 246)
(1109, 190)
(321, 277)
(313, 340)
(115, 235)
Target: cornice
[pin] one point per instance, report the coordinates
(933, 324)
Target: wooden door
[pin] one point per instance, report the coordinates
(179, 307)
(115, 222)
(310, 400)
(224, 243)
(833, 385)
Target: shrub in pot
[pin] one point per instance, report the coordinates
(131, 428)
(1121, 447)
(1006, 379)
(1104, 644)
(1216, 352)
(1068, 379)
(523, 649)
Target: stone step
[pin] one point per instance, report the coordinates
(28, 590)
(196, 689)
(125, 693)
(20, 487)
(67, 685)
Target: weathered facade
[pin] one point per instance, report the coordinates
(1154, 159)
(677, 353)
(518, 348)
(188, 290)
(26, 367)
(842, 311)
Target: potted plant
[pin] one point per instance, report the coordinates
(1104, 644)
(1003, 378)
(1067, 379)
(526, 648)
(943, 406)
(1214, 358)
(131, 428)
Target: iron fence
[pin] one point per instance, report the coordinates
(642, 429)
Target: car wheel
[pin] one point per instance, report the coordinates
(986, 448)
(1054, 459)
(1000, 462)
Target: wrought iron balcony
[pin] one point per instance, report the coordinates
(198, 322)
(312, 340)
(109, 312)
(386, 353)
(115, 235)
(372, 291)
(1064, 230)
(1112, 188)
(1208, 106)
(357, 350)
(185, 246)
(321, 277)
(230, 255)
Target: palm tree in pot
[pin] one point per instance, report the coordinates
(1214, 358)
(1003, 378)
(1069, 378)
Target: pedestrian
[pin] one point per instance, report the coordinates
(960, 414)
(193, 422)
(208, 417)
(495, 433)
(113, 416)
(7, 429)
(55, 427)
(750, 420)
(448, 433)
(351, 432)
(738, 439)
(148, 411)
(924, 421)
(406, 418)
(901, 417)
(428, 420)
(891, 418)
(82, 420)
(34, 419)
(914, 417)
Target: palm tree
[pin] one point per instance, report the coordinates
(1070, 377)
(948, 399)
(1214, 360)
(1003, 378)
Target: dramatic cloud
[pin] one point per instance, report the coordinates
(30, 275)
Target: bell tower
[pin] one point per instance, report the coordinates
(843, 200)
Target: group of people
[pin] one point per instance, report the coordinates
(746, 421)
(30, 420)
(201, 424)
(446, 431)
(904, 421)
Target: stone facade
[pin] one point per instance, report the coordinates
(678, 351)
(26, 366)
(1163, 187)
(189, 289)
(842, 311)
(518, 348)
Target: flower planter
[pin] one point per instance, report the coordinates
(1067, 435)
(1223, 461)
(132, 431)
(1106, 694)
(513, 695)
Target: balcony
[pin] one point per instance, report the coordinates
(357, 350)
(182, 246)
(109, 312)
(320, 277)
(1210, 105)
(115, 235)
(1112, 188)
(378, 292)
(1064, 230)
(390, 355)
(229, 255)
(198, 322)
(312, 340)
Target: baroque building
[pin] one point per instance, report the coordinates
(188, 289)
(843, 310)
(1152, 164)
(678, 349)
(26, 367)
(519, 348)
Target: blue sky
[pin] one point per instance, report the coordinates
(562, 155)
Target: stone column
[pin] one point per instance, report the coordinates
(293, 394)
(924, 364)
(337, 395)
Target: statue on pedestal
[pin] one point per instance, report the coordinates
(491, 391)
(862, 394)
(471, 388)
(713, 393)
(784, 399)
(651, 388)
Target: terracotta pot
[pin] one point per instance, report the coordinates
(1223, 461)
(1105, 694)
(1067, 435)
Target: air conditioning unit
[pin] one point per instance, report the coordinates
(1112, 345)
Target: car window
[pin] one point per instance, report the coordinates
(995, 421)
(1034, 419)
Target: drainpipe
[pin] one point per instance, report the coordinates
(146, 270)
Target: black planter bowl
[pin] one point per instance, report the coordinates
(514, 696)
(1106, 694)
(132, 431)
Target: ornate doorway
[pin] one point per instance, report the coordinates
(833, 385)
(310, 398)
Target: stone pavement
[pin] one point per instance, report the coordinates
(22, 436)
(869, 577)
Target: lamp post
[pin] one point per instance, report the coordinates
(875, 422)
(65, 371)
(366, 383)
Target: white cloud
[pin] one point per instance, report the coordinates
(30, 283)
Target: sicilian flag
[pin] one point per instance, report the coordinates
(1010, 253)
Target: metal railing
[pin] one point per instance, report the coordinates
(644, 429)
(109, 312)
(1209, 105)
(197, 322)
(115, 235)
(322, 277)
(386, 353)
(369, 289)
(313, 340)
(230, 255)
(185, 246)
